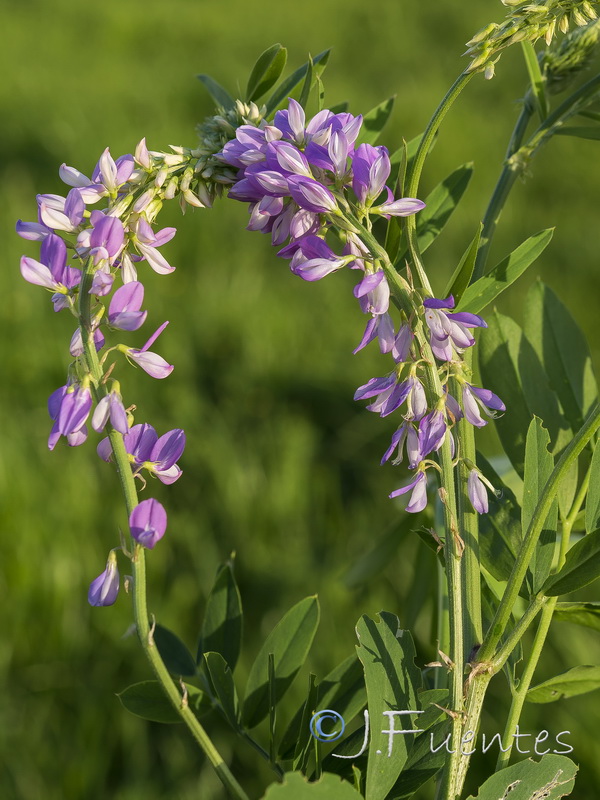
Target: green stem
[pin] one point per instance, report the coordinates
(511, 170)
(525, 555)
(140, 608)
(412, 185)
(520, 694)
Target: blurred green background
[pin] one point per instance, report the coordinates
(281, 465)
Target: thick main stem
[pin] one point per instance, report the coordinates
(140, 607)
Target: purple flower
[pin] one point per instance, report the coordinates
(311, 195)
(70, 408)
(406, 434)
(475, 400)
(101, 283)
(51, 271)
(33, 231)
(148, 523)
(291, 121)
(402, 344)
(106, 237)
(477, 492)
(403, 207)
(124, 310)
(432, 430)
(373, 293)
(104, 589)
(152, 363)
(370, 170)
(110, 407)
(147, 451)
(147, 242)
(448, 330)
(418, 499)
(382, 328)
(76, 344)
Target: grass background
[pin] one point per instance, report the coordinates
(281, 466)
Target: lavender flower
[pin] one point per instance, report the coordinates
(148, 523)
(110, 407)
(449, 331)
(405, 435)
(432, 431)
(418, 498)
(124, 310)
(104, 589)
(475, 400)
(477, 492)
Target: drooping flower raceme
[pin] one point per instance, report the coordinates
(307, 179)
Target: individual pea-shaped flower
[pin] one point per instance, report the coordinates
(152, 363)
(406, 434)
(110, 407)
(477, 492)
(432, 431)
(124, 309)
(475, 400)
(311, 195)
(147, 242)
(164, 455)
(51, 271)
(104, 589)
(418, 498)
(148, 523)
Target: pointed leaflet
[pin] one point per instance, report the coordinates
(538, 468)
(149, 701)
(374, 121)
(222, 623)
(178, 659)
(578, 680)
(511, 368)
(296, 787)
(266, 72)
(440, 205)
(481, 293)
(563, 351)
(462, 274)
(582, 566)
(580, 132)
(284, 89)
(289, 642)
(224, 687)
(592, 502)
(387, 654)
(585, 614)
(536, 79)
(217, 92)
(500, 529)
(342, 690)
(550, 778)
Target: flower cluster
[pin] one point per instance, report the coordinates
(91, 240)
(305, 180)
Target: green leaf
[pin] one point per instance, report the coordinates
(500, 529)
(304, 741)
(562, 349)
(592, 502)
(217, 92)
(423, 763)
(308, 84)
(536, 79)
(178, 659)
(538, 468)
(481, 293)
(285, 89)
(289, 642)
(296, 787)
(462, 274)
(440, 204)
(342, 690)
(387, 654)
(149, 701)
(581, 567)
(374, 121)
(549, 779)
(579, 680)
(224, 687)
(266, 72)
(511, 367)
(222, 623)
(585, 614)
(581, 132)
